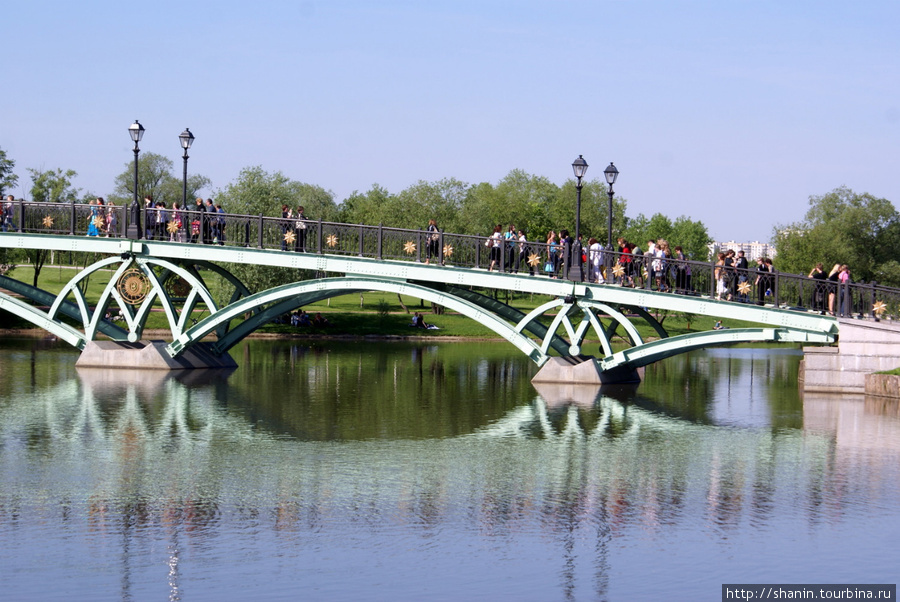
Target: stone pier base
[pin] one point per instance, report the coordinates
(149, 355)
(863, 347)
(561, 370)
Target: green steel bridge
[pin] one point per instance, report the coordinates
(167, 266)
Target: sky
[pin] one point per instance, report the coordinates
(731, 112)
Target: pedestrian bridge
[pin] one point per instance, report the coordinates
(164, 270)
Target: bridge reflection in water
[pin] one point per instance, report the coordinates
(190, 456)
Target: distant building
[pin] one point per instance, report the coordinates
(751, 250)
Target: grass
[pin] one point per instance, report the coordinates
(379, 314)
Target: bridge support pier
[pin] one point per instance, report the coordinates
(863, 348)
(562, 370)
(149, 355)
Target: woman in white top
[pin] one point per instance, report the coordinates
(494, 242)
(595, 256)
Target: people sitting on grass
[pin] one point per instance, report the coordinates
(320, 321)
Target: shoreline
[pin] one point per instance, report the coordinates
(38, 333)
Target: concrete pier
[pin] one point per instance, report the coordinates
(559, 370)
(863, 347)
(149, 355)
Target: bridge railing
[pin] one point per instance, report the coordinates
(776, 289)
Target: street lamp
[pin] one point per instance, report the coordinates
(611, 174)
(136, 131)
(579, 166)
(187, 139)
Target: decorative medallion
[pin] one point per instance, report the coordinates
(177, 287)
(534, 259)
(133, 286)
(289, 237)
(879, 307)
(448, 250)
(98, 221)
(172, 227)
(332, 240)
(618, 270)
(48, 222)
(409, 247)
(744, 288)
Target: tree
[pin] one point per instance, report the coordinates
(257, 192)
(49, 186)
(842, 226)
(691, 235)
(155, 178)
(53, 186)
(8, 179)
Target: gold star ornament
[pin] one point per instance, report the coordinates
(879, 307)
(172, 227)
(744, 288)
(289, 237)
(618, 270)
(332, 240)
(409, 247)
(448, 250)
(98, 221)
(534, 259)
(48, 221)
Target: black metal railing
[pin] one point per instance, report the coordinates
(683, 277)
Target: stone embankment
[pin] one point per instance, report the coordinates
(864, 348)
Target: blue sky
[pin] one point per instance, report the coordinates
(732, 112)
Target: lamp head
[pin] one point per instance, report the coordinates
(136, 131)
(579, 166)
(611, 174)
(186, 138)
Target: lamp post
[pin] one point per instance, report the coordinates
(136, 131)
(187, 139)
(611, 174)
(579, 166)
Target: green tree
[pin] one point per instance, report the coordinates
(53, 185)
(365, 208)
(691, 235)
(257, 192)
(49, 186)
(156, 179)
(8, 179)
(842, 226)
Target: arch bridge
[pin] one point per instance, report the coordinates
(187, 279)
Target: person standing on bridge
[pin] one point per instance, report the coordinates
(210, 227)
(93, 229)
(432, 238)
(112, 220)
(833, 278)
(198, 221)
(495, 242)
(552, 254)
(719, 276)
(595, 260)
(818, 274)
(6, 214)
(300, 229)
(741, 267)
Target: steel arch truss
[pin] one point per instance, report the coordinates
(269, 304)
(178, 289)
(575, 319)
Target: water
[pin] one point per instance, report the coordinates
(399, 471)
